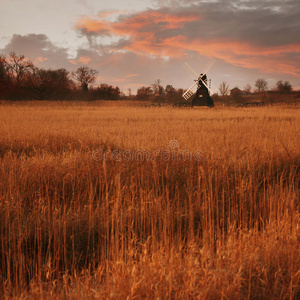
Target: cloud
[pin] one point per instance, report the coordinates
(248, 38)
(141, 33)
(84, 60)
(262, 35)
(270, 59)
(41, 59)
(39, 49)
(128, 70)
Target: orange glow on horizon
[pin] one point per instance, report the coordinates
(132, 75)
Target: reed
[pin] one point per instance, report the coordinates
(85, 213)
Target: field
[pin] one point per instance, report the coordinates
(115, 201)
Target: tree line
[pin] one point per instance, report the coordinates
(157, 93)
(261, 86)
(20, 79)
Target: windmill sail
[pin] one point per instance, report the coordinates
(191, 70)
(208, 65)
(190, 91)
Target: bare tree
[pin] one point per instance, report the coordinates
(129, 93)
(158, 90)
(85, 76)
(247, 88)
(19, 68)
(224, 87)
(261, 85)
(157, 87)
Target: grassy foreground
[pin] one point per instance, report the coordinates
(124, 202)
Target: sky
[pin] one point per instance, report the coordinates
(132, 43)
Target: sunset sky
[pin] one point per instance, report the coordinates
(132, 43)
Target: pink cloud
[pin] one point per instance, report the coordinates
(139, 25)
(42, 59)
(84, 60)
(159, 33)
(240, 53)
(81, 60)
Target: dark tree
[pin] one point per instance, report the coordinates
(173, 95)
(17, 71)
(3, 67)
(107, 92)
(158, 90)
(5, 82)
(85, 76)
(19, 68)
(261, 85)
(50, 84)
(283, 87)
(144, 93)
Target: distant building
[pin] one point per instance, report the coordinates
(236, 91)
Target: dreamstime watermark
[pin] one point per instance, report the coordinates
(172, 154)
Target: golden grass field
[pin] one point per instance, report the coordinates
(75, 223)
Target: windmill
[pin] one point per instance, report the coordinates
(201, 88)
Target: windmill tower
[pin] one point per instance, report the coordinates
(200, 90)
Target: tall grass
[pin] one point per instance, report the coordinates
(77, 225)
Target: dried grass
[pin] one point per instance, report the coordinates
(222, 227)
